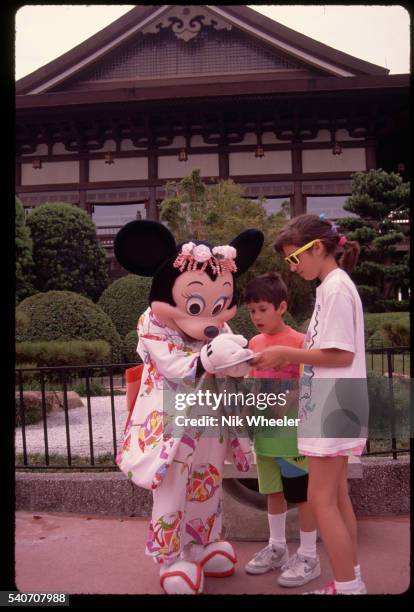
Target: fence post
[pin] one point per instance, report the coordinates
(392, 404)
(42, 387)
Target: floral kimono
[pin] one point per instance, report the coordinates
(184, 471)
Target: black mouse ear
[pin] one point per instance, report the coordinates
(142, 246)
(248, 245)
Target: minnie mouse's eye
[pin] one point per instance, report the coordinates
(195, 305)
(218, 306)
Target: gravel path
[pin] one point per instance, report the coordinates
(78, 429)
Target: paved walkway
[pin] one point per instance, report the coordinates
(81, 554)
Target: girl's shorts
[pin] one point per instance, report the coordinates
(355, 451)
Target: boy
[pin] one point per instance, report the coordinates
(282, 474)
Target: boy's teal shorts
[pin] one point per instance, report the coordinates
(287, 474)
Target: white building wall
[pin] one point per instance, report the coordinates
(123, 169)
(170, 167)
(322, 160)
(273, 162)
(51, 172)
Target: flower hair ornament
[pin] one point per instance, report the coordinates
(220, 258)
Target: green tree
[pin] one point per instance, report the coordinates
(24, 256)
(381, 201)
(66, 251)
(217, 214)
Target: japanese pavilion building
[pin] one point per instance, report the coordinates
(166, 89)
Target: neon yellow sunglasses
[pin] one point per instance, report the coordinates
(293, 257)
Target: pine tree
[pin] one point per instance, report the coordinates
(381, 201)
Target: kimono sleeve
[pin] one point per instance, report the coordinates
(170, 361)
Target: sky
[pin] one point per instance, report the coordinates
(376, 34)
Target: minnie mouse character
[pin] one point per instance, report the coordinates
(184, 340)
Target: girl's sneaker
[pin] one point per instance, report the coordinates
(299, 570)
(267, 559)
(330, 589)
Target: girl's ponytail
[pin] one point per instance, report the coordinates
(350, 256)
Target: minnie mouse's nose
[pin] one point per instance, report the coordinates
(211, 331)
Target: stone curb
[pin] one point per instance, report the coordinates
(383, 490)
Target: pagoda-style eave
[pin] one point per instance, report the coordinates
(202, 90)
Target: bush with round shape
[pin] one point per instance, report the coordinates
(64, 315)
(23, 255)
(130, 347)
(67, 254)
(125, 300)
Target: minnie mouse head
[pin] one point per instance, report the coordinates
(193, 288)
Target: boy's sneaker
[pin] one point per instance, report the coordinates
(330, 589)
(299, 570)
(267, 559)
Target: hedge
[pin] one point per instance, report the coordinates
(377, 335)
(64, 316)
(57, 353)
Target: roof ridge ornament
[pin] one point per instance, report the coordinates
(186, 22)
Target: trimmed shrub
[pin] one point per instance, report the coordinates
(22, 322)
(394, 305)
(24, 255)
(56, 353)
(64, 316)
(374, 322)
(378, 340)
(130, 347)
(27, 378)
(66, 251)
(397, 332)
(125, 300)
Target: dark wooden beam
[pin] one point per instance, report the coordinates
(211, 90)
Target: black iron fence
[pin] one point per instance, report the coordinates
(90, 441)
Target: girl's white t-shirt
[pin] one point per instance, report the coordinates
(329, 401)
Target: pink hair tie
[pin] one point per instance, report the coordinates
(342, 240)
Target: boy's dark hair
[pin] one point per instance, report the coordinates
(304, 228)
(266, 288)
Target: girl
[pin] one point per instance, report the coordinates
(334, 350)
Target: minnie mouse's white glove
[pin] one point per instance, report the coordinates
(223, 349)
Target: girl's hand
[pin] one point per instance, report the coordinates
(271, 357)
